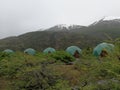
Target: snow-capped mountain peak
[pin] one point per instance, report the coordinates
(60, 27)
(69, 26)
(104, 19)
(63, 26)
(110, 18)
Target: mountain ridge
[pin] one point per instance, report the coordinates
(61, 37)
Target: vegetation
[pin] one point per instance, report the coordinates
(62, 56)
(20, 71)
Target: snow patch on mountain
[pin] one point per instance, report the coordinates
(111, 18)
(65, 27)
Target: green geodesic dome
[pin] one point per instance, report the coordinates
(30, 51)
(8, 51)
(103, 46)
(49, 50)
(72, 49)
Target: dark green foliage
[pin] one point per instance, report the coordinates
(35, 78)
(4, 55)
(62, 56)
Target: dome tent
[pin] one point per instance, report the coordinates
(30, 51)
(111, 47)
(74, 50)
(103, 48)
(8, 51)
(49, 50)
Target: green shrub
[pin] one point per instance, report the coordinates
(36, 78)
(4, 55)
(60, 85)
(62, 56)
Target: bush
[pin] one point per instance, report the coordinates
(33, 78)
(62, 56)
(4, 55)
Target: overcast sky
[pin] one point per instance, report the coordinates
(20, 16)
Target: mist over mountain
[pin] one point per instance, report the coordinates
(62, 36)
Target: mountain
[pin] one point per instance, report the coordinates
(62, 36)
(106, 26)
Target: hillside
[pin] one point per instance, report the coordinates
(61, 36)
